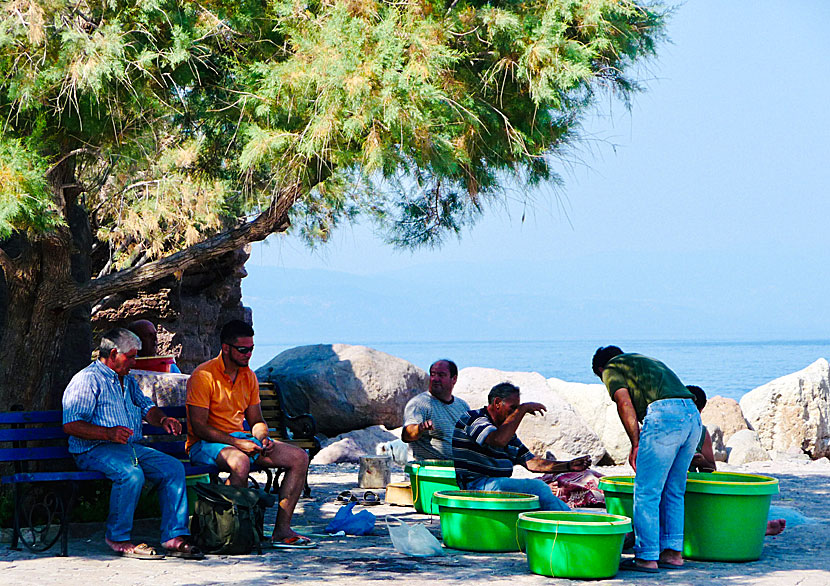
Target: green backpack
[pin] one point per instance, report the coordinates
(229, 519)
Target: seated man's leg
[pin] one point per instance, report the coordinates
(547, 500)
(226, 458)
(167, 473)
(118, 463)
(295, 461)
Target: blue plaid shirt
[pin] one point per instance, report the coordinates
(96, 396)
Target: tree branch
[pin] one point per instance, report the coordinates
(274, 219)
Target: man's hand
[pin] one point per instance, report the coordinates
(632, 457)
(700, 462)
(579, 464)
(533, 408)
(246, 446)
(119, 434)
(425, 426)
(268, 445)
(171, 425)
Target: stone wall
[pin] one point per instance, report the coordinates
(188, 312)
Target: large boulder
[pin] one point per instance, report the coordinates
(595, 406)
(349, 447)
(725, 414)
(345, 387)
(561, 429)
(793, 411)
(745, 446)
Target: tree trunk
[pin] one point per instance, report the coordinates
(34, 347)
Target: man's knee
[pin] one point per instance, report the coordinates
(236, 461)
(132, 477)
(298, 457)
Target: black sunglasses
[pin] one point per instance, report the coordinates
(242, 349)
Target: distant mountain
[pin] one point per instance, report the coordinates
(627, 296)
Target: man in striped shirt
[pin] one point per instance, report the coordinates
(102, 412)
(486, 448)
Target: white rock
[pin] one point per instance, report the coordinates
(745, 446)
(724, 413)
(718, 447)
(561, 429)
(595, 406)
(793, 411)
(345, 387)
(349, 447)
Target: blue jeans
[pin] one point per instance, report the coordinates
(128, 466)
(547, 500)
(670, 433)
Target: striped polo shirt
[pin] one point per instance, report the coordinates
(434, 444)
(474, 458)
(95, 395)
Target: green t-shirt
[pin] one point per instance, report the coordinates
(646, 379)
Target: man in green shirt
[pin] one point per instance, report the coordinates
(646, 390)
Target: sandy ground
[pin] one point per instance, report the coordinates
(801, 555)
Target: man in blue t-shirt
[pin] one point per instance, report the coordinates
(485, 449)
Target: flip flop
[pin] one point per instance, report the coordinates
(631, 566)
(142, 551)
(186, 550)
(369, 499)
(346, 497)
(294, 542)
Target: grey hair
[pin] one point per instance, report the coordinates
(120, 339)
(502, 391)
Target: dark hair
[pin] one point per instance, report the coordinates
(502, 391)
(700, 396)
(602, 356)
(236, 328)
(450, 365)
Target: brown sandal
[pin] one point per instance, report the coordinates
(183, 548)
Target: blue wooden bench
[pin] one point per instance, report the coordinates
(35, 439)
(34, 445)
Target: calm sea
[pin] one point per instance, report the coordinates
(729, 369)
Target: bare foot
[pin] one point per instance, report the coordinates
(646, 563)
(671, 558)
(120, 546)
(284, 535)
(776, 526)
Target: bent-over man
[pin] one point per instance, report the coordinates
(485, 449)
(102, 412)
(646, 390)
(429, 418)
(222, 394)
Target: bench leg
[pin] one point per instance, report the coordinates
(16, 530)
(37, 514)
(69, 500)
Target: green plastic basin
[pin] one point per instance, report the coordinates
(428, 477)
(482, 520)
(725, 514)
(573, 544)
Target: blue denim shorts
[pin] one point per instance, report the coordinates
(205, 453)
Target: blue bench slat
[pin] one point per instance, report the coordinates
(23, 454)
(51, 476)
(31, 433)
(10, 417)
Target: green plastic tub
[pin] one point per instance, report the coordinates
(190, 482)
(726, 512)
(482, 520)
(573, 544)
(428, 477)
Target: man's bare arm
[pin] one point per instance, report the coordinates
(628, 417)
(543, 465)
(412, 432)
(198, 418)
(505, 432)
(89, 431)
(259, 428)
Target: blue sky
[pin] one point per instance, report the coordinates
(700, 213)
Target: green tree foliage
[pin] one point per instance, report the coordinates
(183, 117)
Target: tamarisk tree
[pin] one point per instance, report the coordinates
(140, 138)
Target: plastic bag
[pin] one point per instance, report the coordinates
(414, 540)
(361, 523)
